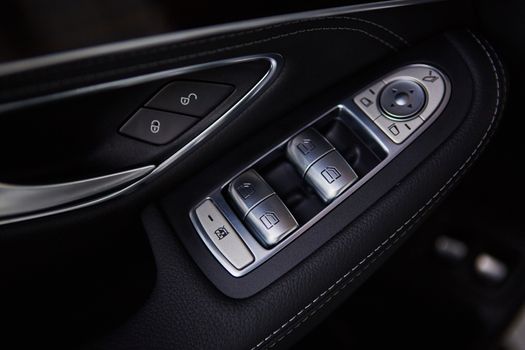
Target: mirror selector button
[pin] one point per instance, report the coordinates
(190, 97)
(222, 235)
(398, 131)
(367, 100)
(156, 127)
(270, 221)
(330, 176)
(247, 190)
(306, 148)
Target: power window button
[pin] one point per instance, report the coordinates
(306, 148)
(330, 176)
(247, 190)
(271, 221)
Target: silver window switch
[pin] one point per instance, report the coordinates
(330, 176)
(306, 148)
(271, 221)
(247, 190)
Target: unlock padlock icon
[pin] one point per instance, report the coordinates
(185, 100)
(154, 126)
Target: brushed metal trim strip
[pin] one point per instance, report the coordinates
(17, 200)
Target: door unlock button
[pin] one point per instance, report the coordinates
(193, 98)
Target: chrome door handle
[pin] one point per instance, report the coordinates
(23, 199)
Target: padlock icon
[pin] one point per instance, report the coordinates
(155, 126)
(186, 100)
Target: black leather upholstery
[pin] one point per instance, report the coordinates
(186, 311)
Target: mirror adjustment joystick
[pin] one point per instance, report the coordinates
(402, 99)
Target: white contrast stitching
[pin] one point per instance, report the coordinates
(274, 26)
(402, 39)
(383, 246)
(101, 75)
(247, 32)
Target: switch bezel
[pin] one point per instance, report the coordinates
(358, 121)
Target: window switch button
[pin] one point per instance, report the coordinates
(306, 148)
(330, 176)
(271, 221)
(247, 190)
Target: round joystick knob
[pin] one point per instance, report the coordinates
(402, 99)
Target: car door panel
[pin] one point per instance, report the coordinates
(321, 59)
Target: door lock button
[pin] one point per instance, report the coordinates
(248, 190)
(271, 221)
(156, 127)
(306, 148)
(330, 176)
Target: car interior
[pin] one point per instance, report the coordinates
(233, 175)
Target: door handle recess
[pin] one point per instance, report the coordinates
(19, 202)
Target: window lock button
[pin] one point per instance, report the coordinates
(222, 235)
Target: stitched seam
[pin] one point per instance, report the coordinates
(391, 32)
(421, 211)
(418, 215)
(168, 47)
(190, 56)
(274, 26)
